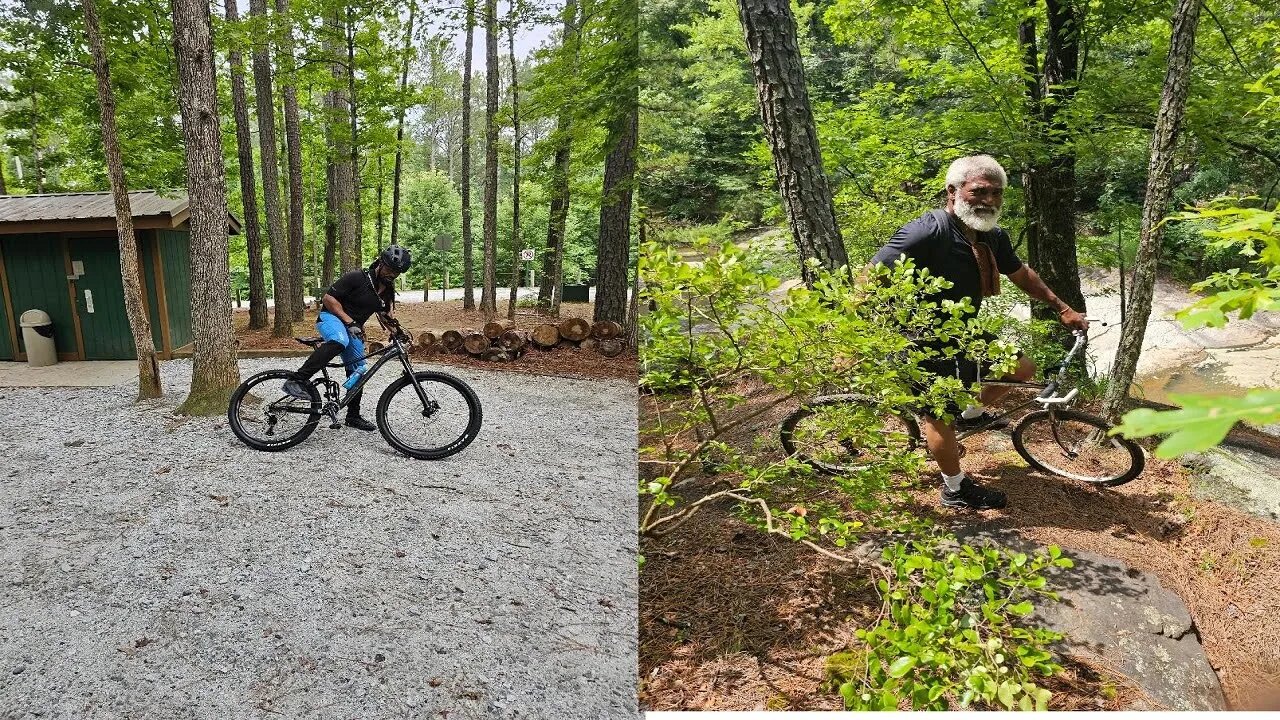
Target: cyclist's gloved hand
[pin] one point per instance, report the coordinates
(355, 331)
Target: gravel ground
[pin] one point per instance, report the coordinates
(154, 567)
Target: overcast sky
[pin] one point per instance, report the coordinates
(528, 37)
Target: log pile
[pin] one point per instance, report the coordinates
(502, 341)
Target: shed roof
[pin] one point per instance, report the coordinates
(61, 212)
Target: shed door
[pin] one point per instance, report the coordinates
(104, 324)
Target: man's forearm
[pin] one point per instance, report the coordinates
(335, 308)
(1032, 285)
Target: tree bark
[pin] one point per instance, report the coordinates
(357, 200)
(4, 188)
(489, 292)
(1051, 177)
(1164, 141)
(293, 140)
(214, 374)
(468, 270)
(378, 225)
(344, 182)
(613, 249)
(553, 255)
(783, 99)
(248, 186)
(330, 202)
(404, 85)
(281, 277)
(139, 324)
(516, 244)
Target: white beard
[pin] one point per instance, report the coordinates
(981, 220)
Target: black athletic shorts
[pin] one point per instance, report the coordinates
(966, 368)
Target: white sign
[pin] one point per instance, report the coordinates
(88, 300)
(77, 268)
(526, 255)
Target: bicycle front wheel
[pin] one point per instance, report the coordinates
(444, 425)
(264, 417)
(1076, 446)
(845, 433)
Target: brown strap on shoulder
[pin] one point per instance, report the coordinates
(988, 271)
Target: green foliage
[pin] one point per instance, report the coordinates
(952, 631)
(1202, 422)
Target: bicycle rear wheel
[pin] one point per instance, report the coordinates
(264, 417)
(845, 433)
(447, 424)
(1075, 445)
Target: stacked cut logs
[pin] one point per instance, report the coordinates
(501, 341)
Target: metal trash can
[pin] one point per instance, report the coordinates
(37, 335)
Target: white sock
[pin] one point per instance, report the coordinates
(953, 481)
(972, 411)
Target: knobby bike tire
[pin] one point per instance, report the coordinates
(1038, 422)
(235, 420)
(842, 456)
(451, 446)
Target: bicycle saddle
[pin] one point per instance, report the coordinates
(310, 341)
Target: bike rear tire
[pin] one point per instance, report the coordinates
(243, 419)
(399, 406)
(805, 438)
(1101, 459)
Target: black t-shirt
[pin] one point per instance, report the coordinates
(355, 291)
(946, 253)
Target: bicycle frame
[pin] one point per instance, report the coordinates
(1046, 396)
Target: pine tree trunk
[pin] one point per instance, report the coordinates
(1051, 248)
(139, 324)
(293, 139)
(613, 250)
(468, 270)
(404, 84)
(344, 183)
(378, 196)
(553, 255)
(281, 277)
(1164, 141)
(516, 244)
(783, 99)
(35, 142)
(4, 188)
(356, 186)
(214, 373)
(248, 186)
(489, 292)
(330, 203)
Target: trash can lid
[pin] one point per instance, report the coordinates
(35, 318)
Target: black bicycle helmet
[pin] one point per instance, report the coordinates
(396, 258)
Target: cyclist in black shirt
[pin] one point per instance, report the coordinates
(964, 245)
(348, 304)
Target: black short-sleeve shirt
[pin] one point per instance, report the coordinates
(355, 291)
(946, 253)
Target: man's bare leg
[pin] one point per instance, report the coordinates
(1025, 371)
(958, 490)
(940, 437)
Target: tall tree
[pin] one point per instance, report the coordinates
(293, 144)
(277, 239)
(613, 247)
(516, 244)
(1164, 141)
(1051, 175)
(468, 270)
(139, 324)
(553, 253)
(343, 189)
(214, 373)
(400, 111)
(783, 100)
(354, 147)
(248, 186)
(489, 292)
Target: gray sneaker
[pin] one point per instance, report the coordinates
(293, 388)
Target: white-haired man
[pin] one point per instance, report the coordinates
(964, 244)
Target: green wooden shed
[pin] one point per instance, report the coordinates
(60, 253)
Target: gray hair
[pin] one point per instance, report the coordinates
(983, 165)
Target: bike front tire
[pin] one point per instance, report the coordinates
(445, 428)
(1076, 446)
(259, 408)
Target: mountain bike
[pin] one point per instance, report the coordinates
(1056, 439)
(426, 415)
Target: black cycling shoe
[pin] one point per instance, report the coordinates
(293, 388)
(972, 496)
(986, 421)
(359, 423)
